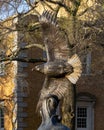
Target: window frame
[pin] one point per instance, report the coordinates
(90, 115)
(81, 117)
(2, 65)
(86, 63)
(87, 100)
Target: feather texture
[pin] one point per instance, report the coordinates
(55, 40)
(48, 17)
(75, 62)
(57, 51)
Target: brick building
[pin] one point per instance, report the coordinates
(19, 89)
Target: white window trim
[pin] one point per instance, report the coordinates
(87, 99)
(88, 105)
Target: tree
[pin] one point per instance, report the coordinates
(81, 20)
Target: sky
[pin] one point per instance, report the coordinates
(20, 8)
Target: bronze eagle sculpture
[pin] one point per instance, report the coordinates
(60, 69)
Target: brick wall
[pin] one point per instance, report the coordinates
(94, 84)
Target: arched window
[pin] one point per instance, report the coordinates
(85, 111)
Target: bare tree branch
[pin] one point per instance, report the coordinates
(60, 4)
(27, 60)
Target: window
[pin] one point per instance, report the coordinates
(81, 117)
(1, 119)
(1, 68)
(84, 116)
(86, 62)
(85, 112)
(2, 63)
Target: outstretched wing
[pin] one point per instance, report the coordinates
(57, 48)
(55, 40)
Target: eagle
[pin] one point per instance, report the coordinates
(60, 68)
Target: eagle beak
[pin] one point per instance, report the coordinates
(37, 68)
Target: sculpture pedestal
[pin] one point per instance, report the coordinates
(50, 119)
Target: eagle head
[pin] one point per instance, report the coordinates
(40, 68)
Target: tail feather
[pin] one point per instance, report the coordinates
(75, 62)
